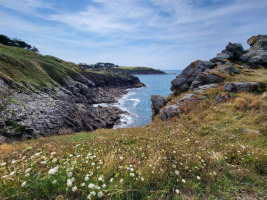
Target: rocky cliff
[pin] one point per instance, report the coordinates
(228, 66)
(43, 96)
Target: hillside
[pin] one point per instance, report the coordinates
(44, 95)
(139, 70)
(207, 141)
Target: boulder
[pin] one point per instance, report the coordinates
(232, 52)
(227, 68)
(186, 98)
(202, 88)
(223, 97)
(257, 54)
(158, 102)
(206, 78)
(169, 112)
(241, 87)
(184, 80)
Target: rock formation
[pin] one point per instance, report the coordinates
(204, 75)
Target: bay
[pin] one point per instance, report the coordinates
(137, 102)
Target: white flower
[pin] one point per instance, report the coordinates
(69, 174)
(174, 166)
(104, 185)
(23, 184)
(132, 169)
(176, 172)
(13, 161)
(54, 182)
(12, 173)
(150, 165)
(53, 153)
(83, 184)
(183, 180)
(43, 162)
(37, 154)
(93, 163)
(3, 164)
(100, 194)
(86, 178)
(121, 181)
(93, 193)
(53, 171)
(142, 179)
(27, 175)
(198, 178)
(27, 170)
(111, 180)
(74, 189)
(54, 160)
(69, 183)
(121, 157)
(177, 191)
(132, 174)
(100, 178)
(91, 185)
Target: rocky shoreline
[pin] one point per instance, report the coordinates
(61, 110)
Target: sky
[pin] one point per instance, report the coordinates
(162, 34)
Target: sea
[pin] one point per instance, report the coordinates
(137, 102)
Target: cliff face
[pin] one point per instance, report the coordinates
(43, 96)
(230, 65)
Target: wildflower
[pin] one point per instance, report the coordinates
(132, 169)
(111, 180)
(121, 157)
(100, 194)
(69, 174)
(104, 185)
(100, 178)
(82, 184)
(142, 179)
(183, 180)
(53, 153)
(174, 166)
(91, 185)
(53, 171)
(23, 184)
(37, 154)
(13, 161)
(74, 189)
(54, 182)
(93, 193)
(177, 191)
(93, 163)
(27, 170)
(150, 165)
(69, 182)
(121, 181)
(86, 178)
(181, 163)
(54, 160)
(43, 162)
(27, 175)
(12, 173)
(176, 172)
(3, 164)
(132, 174)
(4, 176)
(198, 178)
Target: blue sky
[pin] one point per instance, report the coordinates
(163, 34)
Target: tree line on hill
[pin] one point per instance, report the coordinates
(16, 43)
(98, 65)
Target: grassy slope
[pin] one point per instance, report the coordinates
(26, 67)
(138, 69)
(215, 151)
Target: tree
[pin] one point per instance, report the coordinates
(34, 49)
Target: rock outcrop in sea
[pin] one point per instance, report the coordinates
(204, 75)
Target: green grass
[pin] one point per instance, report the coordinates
(27, 68)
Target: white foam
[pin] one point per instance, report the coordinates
(100, 104)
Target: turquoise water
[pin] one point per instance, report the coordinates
(137, 102)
